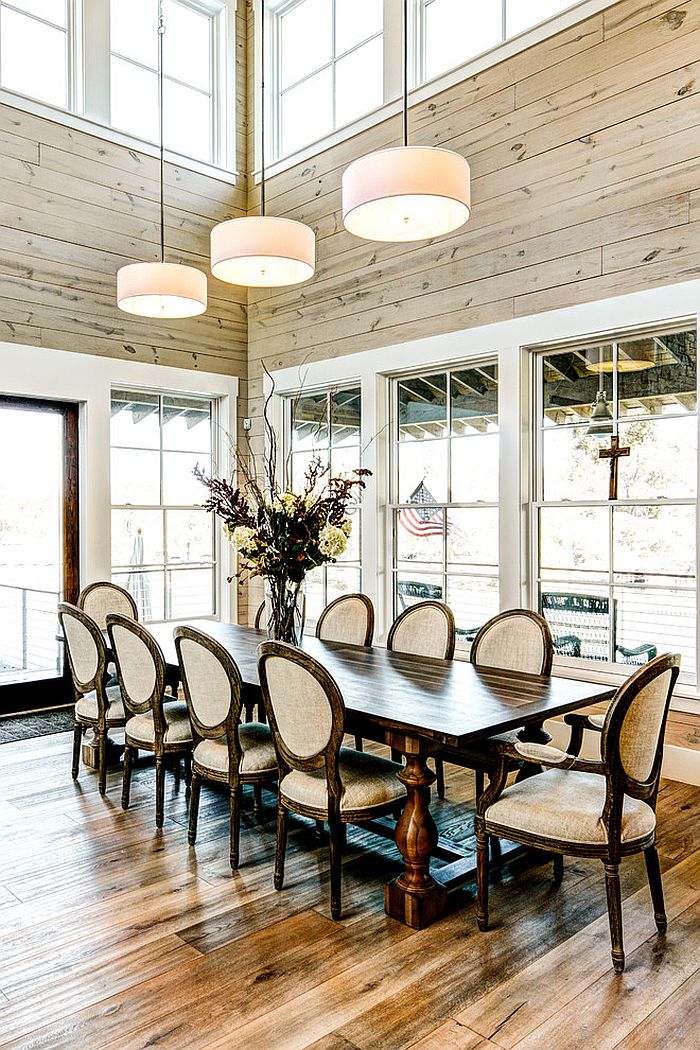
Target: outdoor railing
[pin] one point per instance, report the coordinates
(28, 631)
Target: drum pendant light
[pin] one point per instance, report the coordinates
(262, 251)
(406, 193)
(161, 289)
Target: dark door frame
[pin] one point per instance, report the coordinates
(53, 690)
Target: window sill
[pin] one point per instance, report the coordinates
(103, 131)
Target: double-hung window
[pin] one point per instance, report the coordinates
(35, 49)
(327, 425)
(445, 492)
(615, 535)
(163, 542)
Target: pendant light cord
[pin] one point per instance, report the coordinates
(405, 72)
(262, 107)
(161, 34)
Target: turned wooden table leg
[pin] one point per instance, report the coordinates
(415, 898)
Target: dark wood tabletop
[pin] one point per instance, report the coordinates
(446, 701)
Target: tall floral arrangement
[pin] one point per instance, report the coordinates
(282, 535)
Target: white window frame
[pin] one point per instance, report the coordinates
(72, 42)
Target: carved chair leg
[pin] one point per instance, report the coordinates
(257, 801)
(440, 773)
(281, 847)
(651, 858)
(187, 763)
(482, 880)
(478, 783)
(612, 886)
(558, 867)
(194, 808)
(359, 745)
(335, 837)
(77, 741)
(160, 790)
(102, 762)
(234, 806)
(343, 836)
(126, 776)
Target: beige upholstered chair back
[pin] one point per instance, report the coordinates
(349, 618)
(303, 704)
(86, 648)
(140, 663)
(517, 640)
(635, 721)
(424, 629)
(99, 599)
(211, 681)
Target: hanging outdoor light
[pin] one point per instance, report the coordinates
(161, 289)
(263, 251)
(406, 193)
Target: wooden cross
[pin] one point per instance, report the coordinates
(613, 454)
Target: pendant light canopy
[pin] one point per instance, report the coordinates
(407, 193)
(161, 289)
(263, 251)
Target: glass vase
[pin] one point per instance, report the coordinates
(284, 610)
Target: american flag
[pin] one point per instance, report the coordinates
(424, 518)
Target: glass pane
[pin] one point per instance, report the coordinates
(472, 540)
(31, 558)
(453, 34)
(306, 39)
(574, 541)
(310, 422)
(133, 30)
(660, 452)
(148, 590)
(307, 112)
(345, 460)
(180, 486)
(652, 622)
(654, 540)
(187, 45)
(342, 580)
(187, 121)
(572, 382)
(300, 465)
(187, 424)
(359, 82)
(422, 407)
(190, 593)
(579, 617)
(50, 10)
(572, 469)
(355, 20)
(314, 592)
(423, 472)
(346, 417)
(473, 601)
(420, 536)
(474, 400)
(135, 477)
(352, 551)
(475, 469)
(135, 421)
(417, 587)
(137, 537)
(134, 99)
(521, 14)
(189, 535)
(658, 375)
(33, 58)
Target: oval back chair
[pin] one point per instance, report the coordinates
(424, 629)
(224, 751)
(604, 809)
(515, 640)
(103, 597)
(96, 706)
(349, 619)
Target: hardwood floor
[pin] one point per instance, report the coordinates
(115, 935)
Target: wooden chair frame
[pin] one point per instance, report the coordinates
(617, 784)
(87, 591)
(228, 727)
(98, 683)
(326, 758)
(154, 703)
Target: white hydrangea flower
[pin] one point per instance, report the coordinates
(332, 541)
(242, 537)
(288, 502)
(346, 526)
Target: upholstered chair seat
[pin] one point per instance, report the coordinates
(141, 728)
(368, 782)
(257, 751)
(565, 807)
(87, 707)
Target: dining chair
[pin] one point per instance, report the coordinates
(349, 618)
(100, 598)
(318, 778)
(425, 629)
(515, 640)
(97, 706)
(604, 809)
(154, 722)
(224, 750)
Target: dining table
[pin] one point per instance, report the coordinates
(416, 705)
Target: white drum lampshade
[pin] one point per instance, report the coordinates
(161, 289)
(263, 251)
(406, 193)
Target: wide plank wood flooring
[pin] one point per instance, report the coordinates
(115, 935)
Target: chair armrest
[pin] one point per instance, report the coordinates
(578, 722)
(553, 758)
